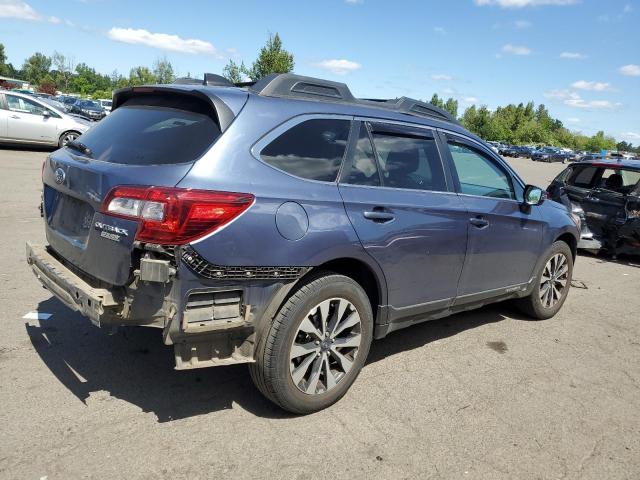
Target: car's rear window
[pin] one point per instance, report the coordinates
(153, 130)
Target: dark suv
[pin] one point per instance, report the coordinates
(606, 194)
(287, 224)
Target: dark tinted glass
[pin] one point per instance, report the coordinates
(364, 170)
(583, 177)
(151, 135)
(408, 162)
(312, 149)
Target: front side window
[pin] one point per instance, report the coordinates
(409, 162)
(478, 175)
(23, 105)
(312, 149)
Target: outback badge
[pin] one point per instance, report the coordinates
(111, 232)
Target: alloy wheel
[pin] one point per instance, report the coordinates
(69, 137)
(554, 280)
(325, 346)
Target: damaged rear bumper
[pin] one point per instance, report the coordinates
(98, 304)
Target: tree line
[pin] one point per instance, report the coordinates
(513, 124)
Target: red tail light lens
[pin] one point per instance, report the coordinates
(174, 216)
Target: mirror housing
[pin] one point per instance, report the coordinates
(46, 113)
(533, 195)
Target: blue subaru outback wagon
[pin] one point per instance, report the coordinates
(286, 224)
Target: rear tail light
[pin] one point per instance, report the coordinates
(174, 216)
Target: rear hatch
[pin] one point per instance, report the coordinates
(152, 138)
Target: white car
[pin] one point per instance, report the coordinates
(31, 120)
(106, 104)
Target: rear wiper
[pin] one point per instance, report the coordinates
(81, 147)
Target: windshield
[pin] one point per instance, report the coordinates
(90, 104)
(138, 134)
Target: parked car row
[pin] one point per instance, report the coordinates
(89, 109)
(549, 154)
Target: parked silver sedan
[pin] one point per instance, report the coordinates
(27, 119)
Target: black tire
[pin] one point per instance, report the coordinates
(533, 305)
(67, 137)
(273, 369)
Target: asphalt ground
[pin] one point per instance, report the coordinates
(486, 394)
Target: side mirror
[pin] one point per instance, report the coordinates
(46, 113)
(533, 195)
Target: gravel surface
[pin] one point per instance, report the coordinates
(485, 394)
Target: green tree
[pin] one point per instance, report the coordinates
(64, 70)
(272, 59)
(234, 72)
(163, 71)
(36, 67)
(436, 101)
(141, 76)
(3, 61)
(451, 106)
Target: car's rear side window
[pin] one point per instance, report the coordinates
(154, 131)
(313, 149)
(583, 177)
(409, 162)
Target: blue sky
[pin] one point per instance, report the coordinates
(579, 57)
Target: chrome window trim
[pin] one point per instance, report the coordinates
(275, 132)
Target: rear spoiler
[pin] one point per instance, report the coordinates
(223, 114)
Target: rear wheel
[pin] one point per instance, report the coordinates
(67, 137)
(552, 283)
(316, 346)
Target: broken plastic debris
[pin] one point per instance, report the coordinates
(37, 316)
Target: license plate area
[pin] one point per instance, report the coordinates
(68, 215)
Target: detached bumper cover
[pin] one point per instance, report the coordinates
(96, 303)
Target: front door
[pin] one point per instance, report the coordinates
(27, 122)
(504, 240)
(397, 198)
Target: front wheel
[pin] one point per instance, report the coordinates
(316, 346)
(552, 283)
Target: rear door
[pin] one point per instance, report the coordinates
(504, 240)
(4, 116)
(397, 197)
(604, 206)
(152, 139)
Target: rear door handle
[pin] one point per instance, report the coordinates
(379, 216)
(15, 116)
(479, 222)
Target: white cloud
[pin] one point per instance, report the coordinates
(440, 30)
(522, 24)
(573, 55)
(441, 77)
(523, 3)
(162, 41)
(631, 136)
(630, 70)
(353, 2)
(628, 8)
(516, 50)
(17, 9)
(470, 100)
(595, 86)
(338, 66)
(54, 20)
(573, 99)
(573, 120)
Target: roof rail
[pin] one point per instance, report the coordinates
(288, 85)
(296, 86)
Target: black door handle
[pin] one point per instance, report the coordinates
(379, 216)
(479, 222)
